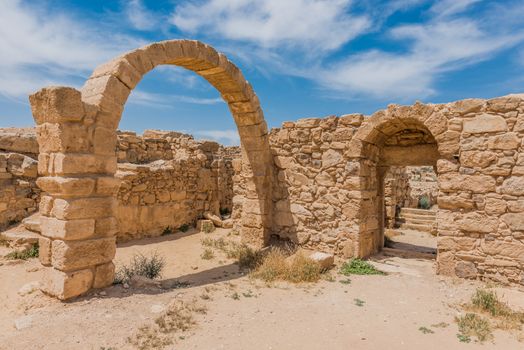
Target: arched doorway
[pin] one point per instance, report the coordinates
(77, 161)
(397, 137)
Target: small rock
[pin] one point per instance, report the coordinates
(23, 322)
(217, 221)
(29, 288)
(32, 269)
(125, 285)
(324, 259)
(227, 223)
(103, 293)
(141, 281)
(156, 309)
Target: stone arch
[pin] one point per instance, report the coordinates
(77, 136)
(372, 152)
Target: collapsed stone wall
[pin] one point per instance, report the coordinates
(167, 179)
(19, 195)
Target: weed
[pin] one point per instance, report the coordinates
(463, 338)
(425, 330)
(359, 302)
(474, 325)
(235, 296)
(167, 231)
(149, 338)
(487, 302)
(276, 266)
(4, 242)
(359, 267)
(440, 325)
(207, 254)
(248, 294)
(184, 228)
(147, 266)
(205, 296)
(24, 254)
(345, 281)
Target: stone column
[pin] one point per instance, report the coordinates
(76, 175)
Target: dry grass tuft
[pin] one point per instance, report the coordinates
(148, 266)
(498, 315)
(179, 317)
(278, 265)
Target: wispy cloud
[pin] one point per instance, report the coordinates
(320, 25)
(41, 47)
(226, 137)
(450, 7)
(139, 16)
(158, 100)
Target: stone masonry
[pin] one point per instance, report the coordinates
(316, 182)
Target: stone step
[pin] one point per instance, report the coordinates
(20, 236)
(417, 216)
(419, 220)
(416, 211)
(32, 223)
(417, 227)
(408, 254)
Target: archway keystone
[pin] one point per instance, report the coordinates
(76, 133)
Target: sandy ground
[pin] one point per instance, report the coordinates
(247, 314)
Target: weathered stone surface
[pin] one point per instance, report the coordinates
(74, 255)
(66, 285)
(515, 221)
(325, 260)
(513, 186)
(67, 229)
(104, 275)
(485, 123)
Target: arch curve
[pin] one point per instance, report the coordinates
(77, 162)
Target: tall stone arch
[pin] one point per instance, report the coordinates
(77, 137)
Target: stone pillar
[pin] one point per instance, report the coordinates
(76, 175)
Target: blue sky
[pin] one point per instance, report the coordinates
(304, 58)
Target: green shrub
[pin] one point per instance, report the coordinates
(146, 266)
(473, 325)
(423, 202)
(359, 267)
(184, 228)
(24, 254)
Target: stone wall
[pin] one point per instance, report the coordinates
(396, 192)
(19, 195)
(168, 179)
(328, 191)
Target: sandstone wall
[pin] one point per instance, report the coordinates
(396, 192)
(175, 181)
(328, 194)
(19, 195)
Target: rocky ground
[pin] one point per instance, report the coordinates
(360, 312)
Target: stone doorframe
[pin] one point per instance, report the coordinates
(367, 156)
(76, 133)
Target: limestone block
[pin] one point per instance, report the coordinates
(331, 158)
(325, 260)
(106, 227)
(485, 123)
(475, 222)
(215, 219)
(351, 119)
(75, 163)
(83, 208)
(206, 226)
(67, 229)
(44, 251)
(74, 255)
(107, 185)
(465, 269)
(515, 221)
(503, 249)
(480, 159)
(474, 183)
(57, 104)
(104, 141)
(513, 186)
(495, 206)
(104, 275)
(63, 137)
(66, 285)
(66, 186)
(507, 141)
(120, 68)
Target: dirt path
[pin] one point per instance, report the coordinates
(247, 314)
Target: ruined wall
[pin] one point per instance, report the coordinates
(315, 184)
(396, 191)
(327, 190)
(175, 181)
(19, 195)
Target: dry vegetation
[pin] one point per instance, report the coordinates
(179, 317)
(485, 313)
(141, 265)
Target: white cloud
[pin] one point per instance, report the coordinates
(444, 8)
(226, 137)
(434, 48)
(39, 47)
(319, 25)
(144, 98)
(139, 16)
